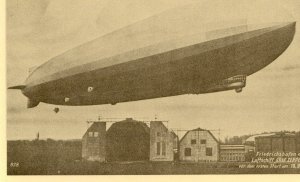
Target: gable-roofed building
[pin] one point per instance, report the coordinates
(163, 142)
(198, 145)
(94, 142)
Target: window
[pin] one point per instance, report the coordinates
(187, 152)
(193, 141)
(158, 134)
(163, 148)
(158, 148)
(96, 134)
(203, 141)
(90, 134)
(67, 99)
(208, 151)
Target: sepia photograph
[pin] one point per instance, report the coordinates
(152, 87)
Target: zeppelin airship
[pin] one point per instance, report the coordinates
(168, 54)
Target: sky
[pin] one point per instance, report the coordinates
(40, 30)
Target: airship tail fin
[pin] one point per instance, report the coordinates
(32, 103)
(19, 87)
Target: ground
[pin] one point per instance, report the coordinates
(64, 158)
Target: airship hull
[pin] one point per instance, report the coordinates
(162, 70)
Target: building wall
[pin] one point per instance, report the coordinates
(175, 146)
(162, 142)
(198, 151)
(94, 142)
(232, 153)
(298, 143)
(276, 144)
(249, 148)
(290, 144)
(263, 144)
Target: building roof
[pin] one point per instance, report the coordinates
(199, 129)
(252, 138)
(164, 127)
(94, 127)
(231, 147)
(278, 135)
(173, 134)
(130, 121)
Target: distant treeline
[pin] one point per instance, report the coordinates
(239, 140)
(41, 156)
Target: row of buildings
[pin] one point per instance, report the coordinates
(131, 140)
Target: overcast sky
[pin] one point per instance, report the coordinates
(40, 30)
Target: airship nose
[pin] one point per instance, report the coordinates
(291, 25)
(275, 25)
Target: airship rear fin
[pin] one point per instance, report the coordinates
(32, 103)
(19, 87)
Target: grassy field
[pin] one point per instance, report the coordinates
(64, 158)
